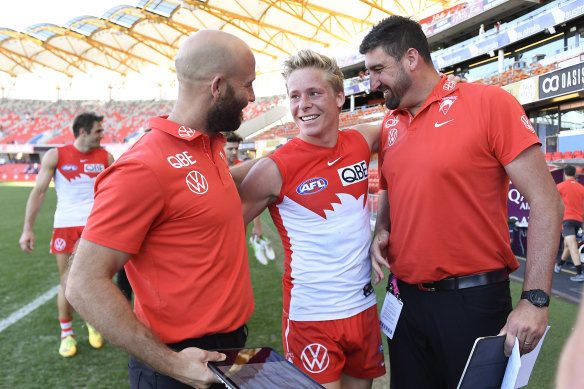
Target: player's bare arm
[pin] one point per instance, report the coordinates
(370, 132)
(380, 241)
(36, 198)
(100, 302)
(530, 175)
(260, 188)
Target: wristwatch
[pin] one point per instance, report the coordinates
(537, 297)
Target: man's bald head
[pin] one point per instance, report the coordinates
(208, 53)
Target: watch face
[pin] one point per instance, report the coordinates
(538, 298)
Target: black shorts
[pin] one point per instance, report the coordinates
(143, 376)
(570, 227)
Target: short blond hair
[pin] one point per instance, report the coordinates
(307, 58)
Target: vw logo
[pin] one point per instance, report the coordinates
(392, 137)
(197, 182)
(60, 244)
(185, 132)
(315, 358)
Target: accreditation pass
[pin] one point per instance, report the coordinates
(390, 312)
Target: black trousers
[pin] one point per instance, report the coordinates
(143, 376)
(436, 331)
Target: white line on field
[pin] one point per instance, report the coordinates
(22, 312)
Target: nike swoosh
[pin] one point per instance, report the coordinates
(83, 160)
(333, 162)
(436, 124)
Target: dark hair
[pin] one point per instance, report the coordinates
(396, 34)
(85, 120)
(570, 170)
(232, 137)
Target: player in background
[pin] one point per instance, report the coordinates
(74, 168)
(259, 243)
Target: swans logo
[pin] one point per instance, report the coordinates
(315, 358)
(185, 132)
(527, 123)
(312, 186)
(446, 103)
(197, 182)
(391, 122)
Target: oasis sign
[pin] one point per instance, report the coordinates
(561, 82)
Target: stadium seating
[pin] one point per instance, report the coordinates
(27, 121)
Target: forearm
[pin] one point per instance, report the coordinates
(102, 304)
(382, 222)
(33, 206)
(543, 236)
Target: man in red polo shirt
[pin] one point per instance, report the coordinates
(446, 153)
(164, 211)
(572, 193)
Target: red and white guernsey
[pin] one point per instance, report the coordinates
(323, 221)
(74, 178)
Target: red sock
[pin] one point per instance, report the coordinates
(66, 327)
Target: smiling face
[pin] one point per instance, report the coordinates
(314, 104)
(388, 76)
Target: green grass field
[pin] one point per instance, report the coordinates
(29, 347)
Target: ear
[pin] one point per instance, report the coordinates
(215, 85)
(411, 59)
(340, 99)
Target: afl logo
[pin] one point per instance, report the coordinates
(312, 186)
(315, 358)
(392, 136)
(197, 182)
(185, 132)
(69, 168)
(60, 244)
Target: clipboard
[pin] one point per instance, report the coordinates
(259, 368)
(486, 364)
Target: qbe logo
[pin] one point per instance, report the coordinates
(93, 167)
(315, 358)
(353, 174)
(197, 182)
(312, 186)
(60, 244)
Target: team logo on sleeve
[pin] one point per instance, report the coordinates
(354, 173)
(527, 123)
(312, 186)
(197, 182)
(315, 358)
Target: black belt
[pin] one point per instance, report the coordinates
(463, 282)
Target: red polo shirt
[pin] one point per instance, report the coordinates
(170, 201)
(447, 186)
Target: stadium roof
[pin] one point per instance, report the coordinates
(126, 38)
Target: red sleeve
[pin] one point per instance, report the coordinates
(128, 200)
(509, 130)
